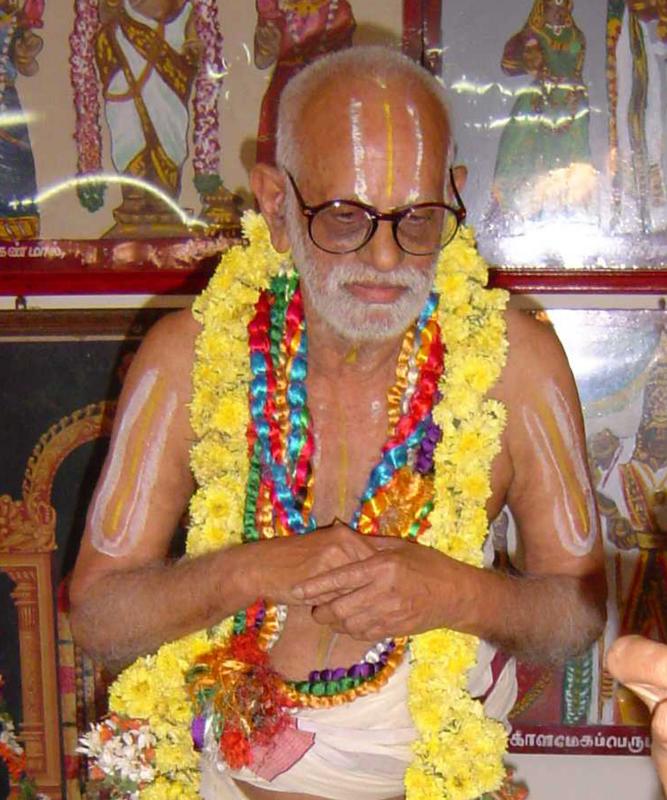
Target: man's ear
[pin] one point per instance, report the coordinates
(460, 173)
(268, 186)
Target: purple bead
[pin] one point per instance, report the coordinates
(197, 732)
(366, 670)
(325, 675)
(391, 646)
(339, 673)
(423, 463)
(384, 657)
(314, 676)
(427, 446)
(355, 671)
(434, 434)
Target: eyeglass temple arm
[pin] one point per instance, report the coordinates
(461, 205)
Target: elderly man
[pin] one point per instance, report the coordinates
(361, 197)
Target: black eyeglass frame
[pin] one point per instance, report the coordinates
(395, 217)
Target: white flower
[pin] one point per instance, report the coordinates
(123, 755)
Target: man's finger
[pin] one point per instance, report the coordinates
(337, 581)
(385, 542)
(639, 661)
(648, 694)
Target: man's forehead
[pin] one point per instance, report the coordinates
(368, 121)
(328, 106)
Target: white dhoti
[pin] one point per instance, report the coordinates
(361, 749)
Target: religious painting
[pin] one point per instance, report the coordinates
(131, 126)
(53, 442)
(20, 47)
(289, 35)
(619, 358)
(544, 150)
(559, 112)
(636, 50)
(163, 107)
(156, 70)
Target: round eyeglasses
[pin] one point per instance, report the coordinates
(343, 226)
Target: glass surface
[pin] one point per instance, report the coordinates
(619, 359)
(121, 125)
(560, 111)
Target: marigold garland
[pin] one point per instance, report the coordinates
(458, 755)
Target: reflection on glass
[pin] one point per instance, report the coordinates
(19, 48)
(636, 51)
(543, 167)
(127, 182)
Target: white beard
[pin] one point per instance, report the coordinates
(324, 286)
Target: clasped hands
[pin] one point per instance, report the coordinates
(367, 587)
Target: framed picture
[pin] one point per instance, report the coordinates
(142, 164)
(65, 370)
(619, 359)
(559, 110)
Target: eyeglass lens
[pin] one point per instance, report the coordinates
(343, 227)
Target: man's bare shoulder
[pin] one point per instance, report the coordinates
(535, 353)
(173, 336)
(170, 346)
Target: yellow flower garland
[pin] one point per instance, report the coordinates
(458, 755)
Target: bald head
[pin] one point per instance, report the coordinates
(357, 102)
(370, 126)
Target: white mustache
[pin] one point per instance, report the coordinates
(405, 277)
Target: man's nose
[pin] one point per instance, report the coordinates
(382, 251)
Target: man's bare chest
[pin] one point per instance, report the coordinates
(349, 434)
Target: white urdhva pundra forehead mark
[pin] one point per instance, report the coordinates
(554, 435)
(120, 508)
(358, 151)
(413, 195)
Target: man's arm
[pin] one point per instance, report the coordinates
(556, 608)
(126, 597)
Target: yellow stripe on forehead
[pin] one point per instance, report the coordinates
(390, 148)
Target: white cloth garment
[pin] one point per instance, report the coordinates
(362, 748)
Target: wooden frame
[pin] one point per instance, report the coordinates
(31, 573)
(29, 532)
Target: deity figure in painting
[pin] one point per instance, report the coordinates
(636, 77)
(148, 58)
(289, 35)
(19, 48)
(632, 497)
(543, 167)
